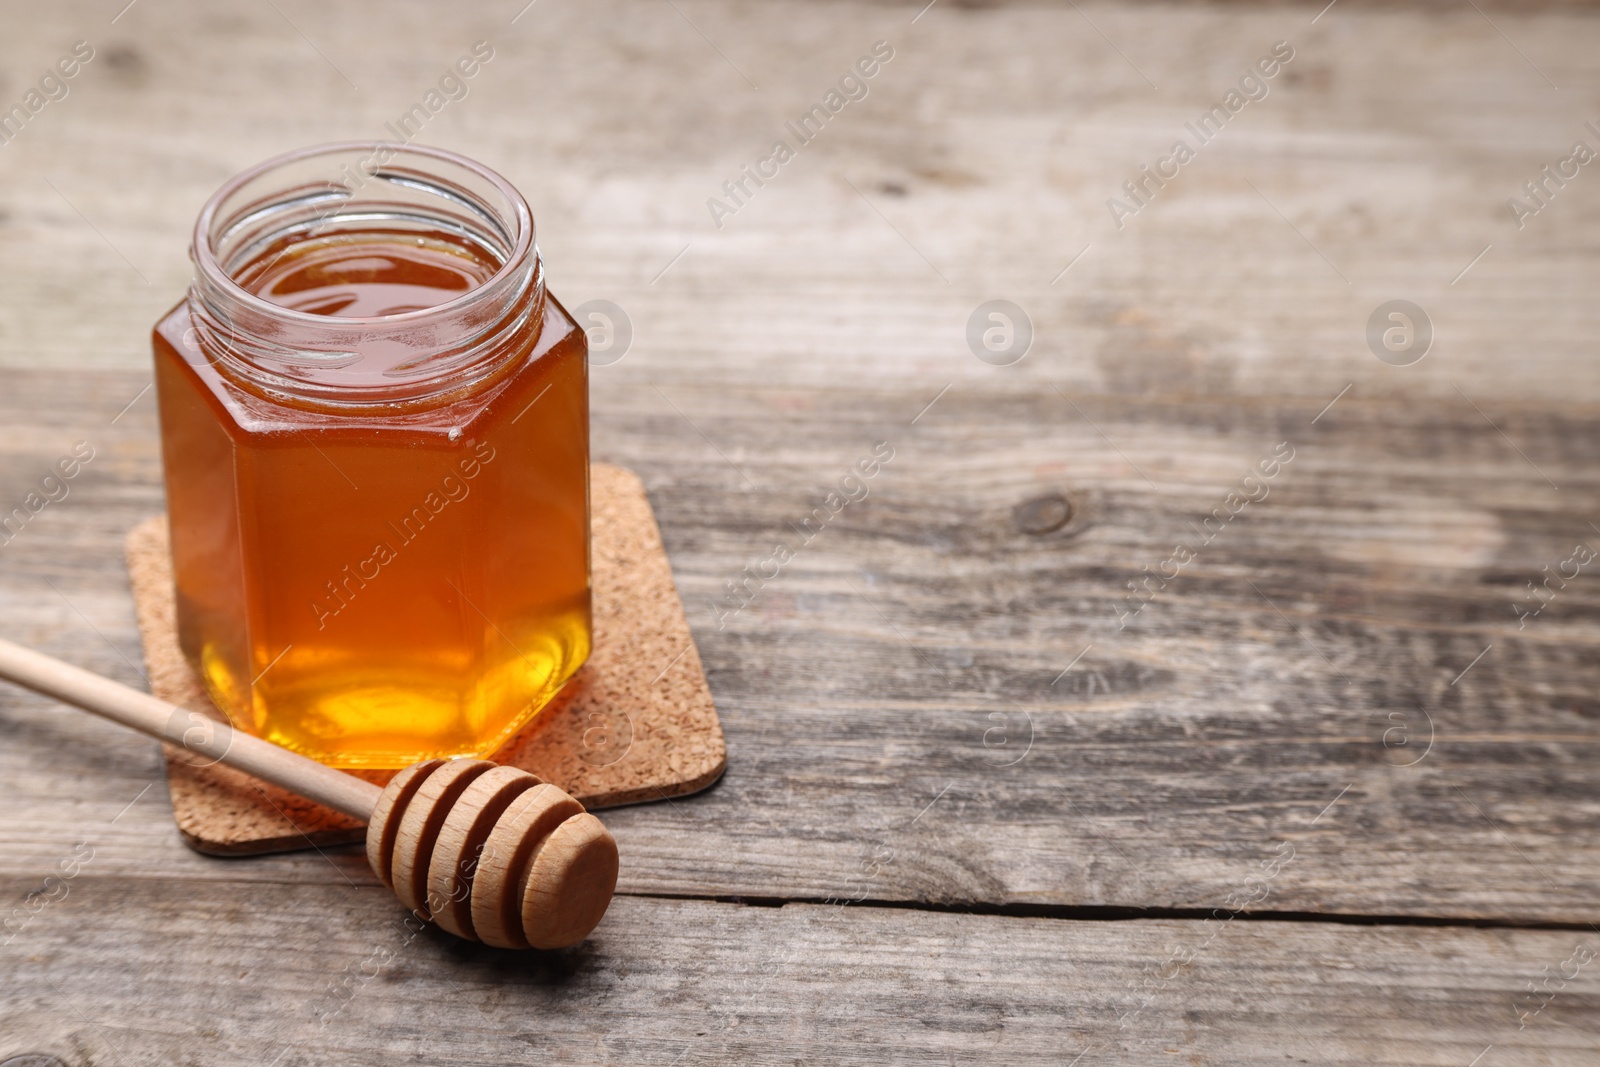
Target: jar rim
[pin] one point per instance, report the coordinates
(206, 261)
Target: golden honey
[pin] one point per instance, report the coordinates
(375, 436)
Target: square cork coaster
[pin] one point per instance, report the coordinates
(635, 724)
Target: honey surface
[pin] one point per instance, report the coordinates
(378, 588)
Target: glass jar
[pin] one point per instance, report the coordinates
(375, 431)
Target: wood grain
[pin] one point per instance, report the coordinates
(908, 651)
(1392, 143)
(114, 974)
(1281, 693)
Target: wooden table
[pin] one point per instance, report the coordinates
(1318, 793)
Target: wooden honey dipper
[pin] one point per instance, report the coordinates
(490, 853)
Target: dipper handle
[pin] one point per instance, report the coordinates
(198, 733)
(491, 853)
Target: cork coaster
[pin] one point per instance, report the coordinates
(637, 723)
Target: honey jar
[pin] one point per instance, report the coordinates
(375, 435)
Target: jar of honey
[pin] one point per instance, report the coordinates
(375, 432)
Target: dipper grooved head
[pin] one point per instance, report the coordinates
(493, 854)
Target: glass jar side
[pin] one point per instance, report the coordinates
(378, 582)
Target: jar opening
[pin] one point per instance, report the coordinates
(365, 273)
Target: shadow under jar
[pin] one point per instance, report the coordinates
(375, 431)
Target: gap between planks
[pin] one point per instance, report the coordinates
(1107, 913)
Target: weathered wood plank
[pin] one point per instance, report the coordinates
(1279, 694)
(1392, 142)
(1325, 625)
(136, 972)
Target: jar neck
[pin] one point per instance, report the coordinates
(372, 197)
